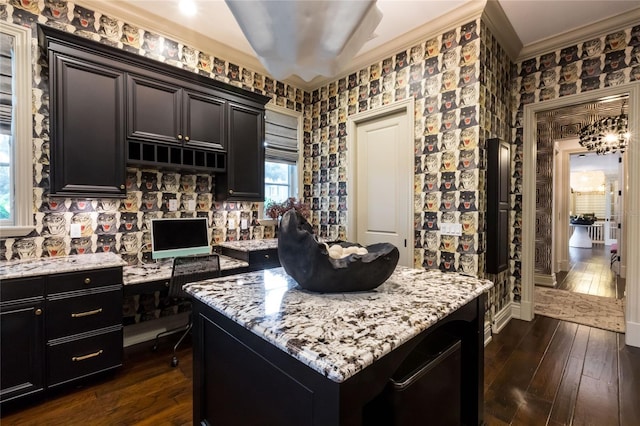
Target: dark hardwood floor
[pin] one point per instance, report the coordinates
(590, 272)
(543, 372)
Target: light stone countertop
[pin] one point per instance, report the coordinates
(338, 334)
(251, 245)
(161, 270)
(55, 265)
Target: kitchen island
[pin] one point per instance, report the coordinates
(268, 352)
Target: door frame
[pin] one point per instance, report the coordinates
(630, 202)
(405, 107)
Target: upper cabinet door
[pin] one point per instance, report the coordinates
(154, 110)
(244, 179)
(203, 118)
(88, 143)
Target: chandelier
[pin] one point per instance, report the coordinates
(606, 135)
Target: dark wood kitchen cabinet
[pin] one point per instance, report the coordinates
(244, 180)
(87, 124)
(21, 338)
(110, 108)
(59, 328)
(163, 111)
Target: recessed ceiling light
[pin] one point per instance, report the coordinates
(188, 7)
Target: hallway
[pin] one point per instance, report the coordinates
(590, 272)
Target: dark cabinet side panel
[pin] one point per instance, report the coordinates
(88, 120)
(498, 184)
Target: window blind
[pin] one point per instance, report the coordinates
(6, 46)
(281, 138)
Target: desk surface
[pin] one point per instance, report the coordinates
(161, 270)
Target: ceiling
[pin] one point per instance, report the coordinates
(534, 22)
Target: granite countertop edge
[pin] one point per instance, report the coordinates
(338, 334)
(25, 268)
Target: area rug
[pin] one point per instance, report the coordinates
(595, 311)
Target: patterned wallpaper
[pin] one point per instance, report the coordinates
(610, 60)
(495, 76)
(442, 75)
(122, 225)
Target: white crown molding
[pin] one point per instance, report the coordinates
(580, 34)
(497, 21)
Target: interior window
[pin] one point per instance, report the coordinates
(282, 136)
(16, 154)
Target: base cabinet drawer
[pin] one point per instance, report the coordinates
(81, 313)
(73, 359)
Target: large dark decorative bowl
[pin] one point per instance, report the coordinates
(582, 220)
(307, 260)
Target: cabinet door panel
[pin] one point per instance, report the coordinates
(245, 159)
(203, 120)
(21, 363)
(88, 139)
(153, 110)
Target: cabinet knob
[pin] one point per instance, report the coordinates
(166, 283)
(266, 256)
(180, 137)
(231, 191)
(87, 280)
(38, 311)
(121, 186)
(186, 138)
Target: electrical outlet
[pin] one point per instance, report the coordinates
(173, 205)
(75, 230)
(232, 224)
(244, 224)
(451, 229)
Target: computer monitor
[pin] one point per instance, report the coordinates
(173, 237)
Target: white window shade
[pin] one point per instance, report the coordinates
(281, 137)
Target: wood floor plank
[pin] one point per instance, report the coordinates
(629, 382)
(597, 400)
(505, 394)
(532, 412)
(565, 401)
(501, 347)
(547, 379)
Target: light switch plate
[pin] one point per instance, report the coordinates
(232, 224)
(75, 230)
(173, 205)
(454, 229)
(191, 204)
(244, 224)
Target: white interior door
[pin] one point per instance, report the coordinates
(383, 185)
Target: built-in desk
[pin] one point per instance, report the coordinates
(150, 277)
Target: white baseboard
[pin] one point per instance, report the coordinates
(487, 333)
(632, 334)
(147, 331)
(502, 318)
(545, 280)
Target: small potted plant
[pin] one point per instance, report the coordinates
(275, 210)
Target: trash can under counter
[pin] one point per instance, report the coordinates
(424, 390)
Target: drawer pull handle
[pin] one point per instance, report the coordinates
(87, 356)
(38, 311)
(87, 280)
(86, 314)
